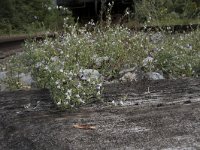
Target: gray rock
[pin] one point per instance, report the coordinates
(100, 60)
(147, 60)
(3, 75)
(129, 77)
(154, 76)
(111, 82)
(87, 74)
(132, 74)
(156, 38)
(3, 86)
(124, 71)
(26, 79)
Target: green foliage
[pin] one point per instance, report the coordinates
(180, 55)
(151, 11)
(23, 15)
(57, 64)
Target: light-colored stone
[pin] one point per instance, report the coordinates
(3, 86)
(147, 60)
(129, 77)
(132, 74)
(154, 76)
(87, 74)
(26, 79)
(100, 60)
(3, 75)
(156, 38)
(124, 71)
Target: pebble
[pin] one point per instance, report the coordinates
(154, 76)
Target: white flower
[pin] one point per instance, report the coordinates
(69, 91)
(55, 58)
(79, 85)
(61, 70)
(38, 65)
(114, 103)
(121, 103)
(77, 95)
(46, 68)
(59, 103)
(99, 86)
(82, 101)
(66, 102)
(70, 73)
(57, 82)
(99, 93)
(68, 97)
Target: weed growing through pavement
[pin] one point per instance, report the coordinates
(73, 65)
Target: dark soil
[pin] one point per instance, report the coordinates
(165, 117)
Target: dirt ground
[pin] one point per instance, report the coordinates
(145, 115)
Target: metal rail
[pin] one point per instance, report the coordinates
(11, 45)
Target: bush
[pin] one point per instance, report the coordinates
(180, 55)
(73, 65)
(155, 11)
(31, 16)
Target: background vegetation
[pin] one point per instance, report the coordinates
(167, 11)
(25, 16)
(38, 15)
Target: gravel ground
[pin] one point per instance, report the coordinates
(161, 114)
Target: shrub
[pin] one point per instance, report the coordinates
(32, 16)
(165, 11)
(73, 65)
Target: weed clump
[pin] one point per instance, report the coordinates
(74, 65)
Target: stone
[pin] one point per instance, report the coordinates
(154, 76)
(3, 86)
(147, 60)
(131, 74)
(3, 75)
(129, 77)
(124, 71)
(100, 60)
(26, 79)
(87, 74)
(111, 82)
(156, 38)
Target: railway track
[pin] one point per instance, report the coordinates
(11, 45)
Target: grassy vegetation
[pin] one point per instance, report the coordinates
(20, 17)
(58, 64)
(167, 12)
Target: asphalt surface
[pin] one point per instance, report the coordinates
(146, 115)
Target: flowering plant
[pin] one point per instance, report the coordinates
(74, 65)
